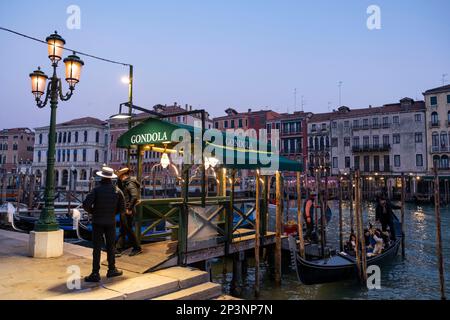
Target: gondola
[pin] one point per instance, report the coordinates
(341, 266)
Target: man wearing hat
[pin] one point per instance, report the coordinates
(385, 215)
(103, 203)
(131, 189)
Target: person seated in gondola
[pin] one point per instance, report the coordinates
(351, 244)
(386, 238)
(376, 243)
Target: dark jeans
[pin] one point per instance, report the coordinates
(126, 231)
(98, 231)
(309, 231)
(385, 224)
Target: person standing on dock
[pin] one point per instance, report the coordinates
(103, 202)
(131, 189)
(384, 215)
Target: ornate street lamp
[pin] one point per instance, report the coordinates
(73, 65)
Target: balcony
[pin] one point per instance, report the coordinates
(317, 150)
(439, 149)
(371, 148)
(435, 124)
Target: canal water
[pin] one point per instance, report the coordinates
(415, 277)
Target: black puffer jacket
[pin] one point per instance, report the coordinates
(131, 189)
(386, 217)
(104, 202)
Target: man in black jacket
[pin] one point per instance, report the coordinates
(131, 189)
(385, 215)
(103, 202)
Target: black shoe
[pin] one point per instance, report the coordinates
(135, 252)
(93, 277)
(114, 273)
(118, 253)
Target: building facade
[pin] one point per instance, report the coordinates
(437, 102)
(16, 150)
(386, 140)
(81, 148)
(319, 147)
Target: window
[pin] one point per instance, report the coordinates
(434, 118)
(387, 163)
(69, 137)
(65, 137)
(433, 101)
(366, 163)
(417, 117)
(346, 141)
(396, 138)
(97, 137)
(240, 123)
(334, 124)
(376, 141)
(15, 147)
(385, 121)
(76, 137)
(397, 160)
(225, 124)
(356, 142)
(84, 155)
(39, 156)
(435, 139)
(448, 117)
(59, 156)
(216, 125)
(232, 123)
(418, 137)
(443, 139)
(356, 164)
(419, 160)
(334, 142)
(85, 136)
(444, 162)
(376, 163)
(448, 98)
(366, 141)
(355, 123)
(96, 156)
(375, 122)
(347, 162)
(365, 123)
(335, 162)
(396, 119)
(60, 137)
(40, 138)
(75, 155)
(63, 155)
(68, 155)
(313, 127)
(346, 124)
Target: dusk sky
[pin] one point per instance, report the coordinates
(220, 54)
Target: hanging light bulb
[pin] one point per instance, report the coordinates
(213, 161)
(165, 161)
(207, 163)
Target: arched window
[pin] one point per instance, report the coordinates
(85, 136)
(97, 137)
(435, 139)
(39, 156)
(60, 137)
(83, 175)
(65, 178)
(65, 137)
(40, 138)
(69, 137)
(76, 137)
(448, 117)
(436, 161)
(434, 118)
(96, 156)
(443, 139)
(444, 162)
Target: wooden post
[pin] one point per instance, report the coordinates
(351, 203)
(316, 216)
(361, 232)
(299, 216)
(323, 199)
(223, 187)
(341, 233)
(140, 155)
(257, 232)
(265, 203)
(278, 221)
(402, 214)
(437, 212)
(357, 235)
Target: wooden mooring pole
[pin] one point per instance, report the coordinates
(341, 232)
(357, 235)
(278, 221)
(402, 213)
(437, 211)
(299, 216)
(257, 232)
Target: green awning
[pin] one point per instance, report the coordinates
(237, 153)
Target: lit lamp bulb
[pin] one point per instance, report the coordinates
(207, 163)
(165, 161)
(213, 161)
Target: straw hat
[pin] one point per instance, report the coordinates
(106, 172)
(122, 171)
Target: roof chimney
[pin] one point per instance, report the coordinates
(190, 108)
(175, 104)
(186, 106)
(249, 110)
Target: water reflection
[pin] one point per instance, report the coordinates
(416, 277)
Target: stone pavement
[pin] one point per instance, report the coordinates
(26, 278)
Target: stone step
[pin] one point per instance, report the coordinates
(186, 276)
(204, 291)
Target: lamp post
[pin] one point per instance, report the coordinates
(73, 64)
